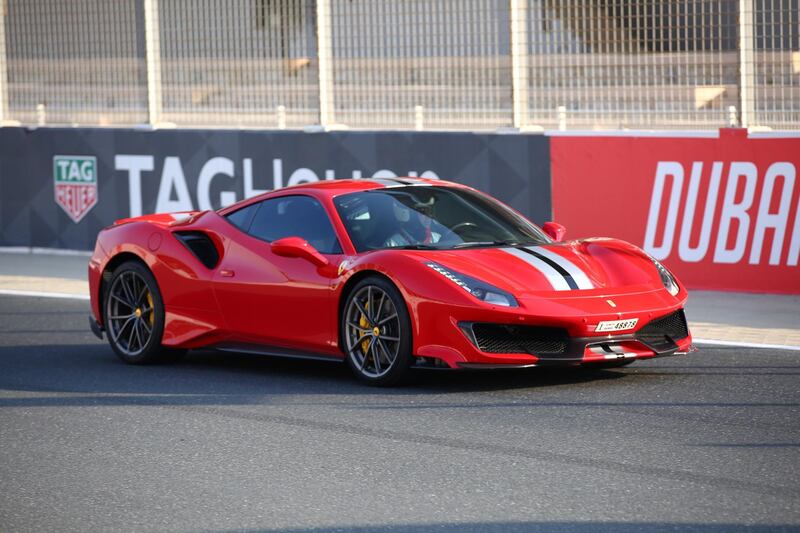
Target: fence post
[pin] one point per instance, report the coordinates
(324, 55)
(746, 63)
(419, 117)
(561, 113)
(152, 44)
(519, 61)
(3, 65)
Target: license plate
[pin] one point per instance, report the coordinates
(617, 325)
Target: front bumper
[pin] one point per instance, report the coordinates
(445, 333)
(588, 352)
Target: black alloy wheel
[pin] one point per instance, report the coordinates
(376, 332)
(134, 316)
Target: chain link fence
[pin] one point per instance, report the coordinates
(415, 64)
(73, 62)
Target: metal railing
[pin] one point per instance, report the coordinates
(415, 64)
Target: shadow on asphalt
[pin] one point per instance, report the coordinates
(90, 374)
(201, 375)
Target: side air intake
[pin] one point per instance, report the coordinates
(502, 338)
(200, 245)
(661, 333)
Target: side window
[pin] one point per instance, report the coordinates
(241, 217)
(295, 216)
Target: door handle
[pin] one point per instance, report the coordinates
(226, 273)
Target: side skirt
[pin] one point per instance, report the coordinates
(275, 351)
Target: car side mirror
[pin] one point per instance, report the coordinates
(555, 230)
(297, 247)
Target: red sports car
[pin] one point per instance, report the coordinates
(385, 274)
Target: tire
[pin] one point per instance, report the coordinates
(375, 329)
(133, 314)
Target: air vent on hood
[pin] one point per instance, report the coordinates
(200, 245)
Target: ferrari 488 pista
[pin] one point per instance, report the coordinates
(385, 274)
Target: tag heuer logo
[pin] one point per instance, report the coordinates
(75, 178)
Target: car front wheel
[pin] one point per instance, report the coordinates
(376, 332)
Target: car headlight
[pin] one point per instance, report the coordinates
(666, 278)
(480, 290)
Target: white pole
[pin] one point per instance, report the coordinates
(733, 116)
(561, 112)
(3, 65)
(746, 64)
(153, 60)
(324, 56)
(419, 117)
(281, 114)
(519, 61)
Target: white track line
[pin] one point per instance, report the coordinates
(747, 344)
(43, 251)
(41, 294)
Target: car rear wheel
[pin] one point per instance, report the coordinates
(134, 316)
(376, 332)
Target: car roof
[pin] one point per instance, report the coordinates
(343, 186)
(333, 188)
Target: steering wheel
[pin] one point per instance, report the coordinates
(460, 225)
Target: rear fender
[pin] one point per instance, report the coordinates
(184, 282)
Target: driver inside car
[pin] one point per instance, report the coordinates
(415, 226)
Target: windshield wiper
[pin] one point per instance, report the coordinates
(414, 247)
(506, 242)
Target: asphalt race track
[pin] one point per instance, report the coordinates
(227, 442)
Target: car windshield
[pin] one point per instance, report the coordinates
(431, 217)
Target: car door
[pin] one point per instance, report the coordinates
(279, 301)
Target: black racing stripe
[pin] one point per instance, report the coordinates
(567, 276)
(395, 182)
(403, 181)
(389, 182)
(382, 181)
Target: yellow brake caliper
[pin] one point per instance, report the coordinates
(364, 324)
(152, 317)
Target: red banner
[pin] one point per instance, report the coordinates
(721, 212)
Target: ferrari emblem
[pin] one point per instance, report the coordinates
(75, 181)
(343, 266)
(611, 303)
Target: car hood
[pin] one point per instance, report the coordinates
(567, 269)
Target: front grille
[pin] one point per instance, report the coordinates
(500, 338)
(668, 328)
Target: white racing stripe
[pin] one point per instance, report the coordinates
(556, 280)
(41, 294)
(580, 277)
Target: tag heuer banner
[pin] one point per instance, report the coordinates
(60, 186)
(75, 184)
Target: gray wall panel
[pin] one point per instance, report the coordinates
(515, 168)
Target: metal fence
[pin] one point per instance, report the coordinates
(411, 64)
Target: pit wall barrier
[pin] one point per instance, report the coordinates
(721, 211)
(59, 187)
